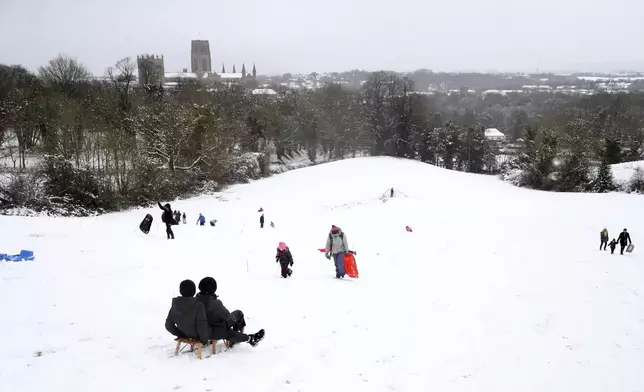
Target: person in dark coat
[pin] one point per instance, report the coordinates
(612, 245)
(187, 315)
(168, 219)
(223, 324)
(624, 239)
(261, 221)
(285, 258)
(184, 218)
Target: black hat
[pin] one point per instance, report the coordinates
(187, 288)
(208, 285)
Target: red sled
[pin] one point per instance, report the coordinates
(322, 250)
(350, 266)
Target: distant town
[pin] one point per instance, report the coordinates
(151, 69)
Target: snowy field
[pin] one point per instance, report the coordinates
(498, 288)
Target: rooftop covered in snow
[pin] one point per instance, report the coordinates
(494, 134)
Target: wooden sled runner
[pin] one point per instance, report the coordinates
(194, 343)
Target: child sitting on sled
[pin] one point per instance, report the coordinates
(285, 259)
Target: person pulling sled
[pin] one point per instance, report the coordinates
(337, 246)
(285, 258)
(624, 239)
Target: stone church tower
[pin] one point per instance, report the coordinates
(200, 55)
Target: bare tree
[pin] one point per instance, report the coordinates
(64, 72)
(122, 78)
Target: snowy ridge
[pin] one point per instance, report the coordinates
(498, 288)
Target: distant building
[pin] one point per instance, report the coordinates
(264, 91)
(235, 77)
(151, 69)
(174, 79)
(200, 56)
(494, 135)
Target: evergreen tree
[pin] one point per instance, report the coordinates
(574, 173)
(604, 182)
(613, 150)
(426, 145)
(537, 159)
(478, 150)
(452, 144)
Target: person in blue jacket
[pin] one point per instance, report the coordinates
(201, 220)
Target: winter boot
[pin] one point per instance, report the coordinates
(255, 338)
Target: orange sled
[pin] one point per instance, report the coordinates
(350, 266)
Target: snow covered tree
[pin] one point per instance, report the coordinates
(575, 168)
(537, 159)
(452, 144)
(636, 183)
(426, 143)
(604, 181)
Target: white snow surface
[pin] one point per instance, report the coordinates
(623, 172)
(498, 288)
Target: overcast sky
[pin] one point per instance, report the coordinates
(332, 35)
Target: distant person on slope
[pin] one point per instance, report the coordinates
(184, 218)
(223, 324)
(168, 219)
(201, 220)
(624, 239)
(261, 221)
(604, 239)
(187, 316)
(285, 258)
(337, 245)
(612, 245)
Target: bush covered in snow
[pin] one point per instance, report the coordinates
(636, 183)
(241, 169)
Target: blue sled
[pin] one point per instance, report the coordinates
(25, 255)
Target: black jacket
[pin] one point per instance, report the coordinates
(167, 216)
(624, 238)
(187, 319)
(261, 219)
(284, 257)
(219, 318)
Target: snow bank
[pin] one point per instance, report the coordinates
(498, 288)
(623, 172)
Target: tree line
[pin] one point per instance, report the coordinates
(69, 139)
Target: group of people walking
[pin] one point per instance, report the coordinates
(624, 239)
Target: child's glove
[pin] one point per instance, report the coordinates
(328, 255)
(291, 263)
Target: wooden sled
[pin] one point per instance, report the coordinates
(194, 343)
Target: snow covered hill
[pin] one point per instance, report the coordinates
(498, 289)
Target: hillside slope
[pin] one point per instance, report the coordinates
(498, 288)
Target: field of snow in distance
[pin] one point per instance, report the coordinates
(497, 288)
